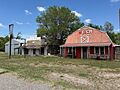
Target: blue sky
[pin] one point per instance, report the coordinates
(23, 13)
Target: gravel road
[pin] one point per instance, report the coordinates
(11, 82)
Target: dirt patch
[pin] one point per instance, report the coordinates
(77, 81)
(74, 66)
(109, 75)
(42, 64)
(38, 64)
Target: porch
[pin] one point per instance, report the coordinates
(92, 52)
(35, 51)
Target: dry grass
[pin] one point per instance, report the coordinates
(65, 73)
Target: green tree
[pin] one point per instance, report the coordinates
(56, 24)
(108, 27)
(75, 26)
(3, 40)
(18, 35)
(117, 38)
(95, 26)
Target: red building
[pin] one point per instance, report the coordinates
(88, 42)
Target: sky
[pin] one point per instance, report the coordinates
(23, 13)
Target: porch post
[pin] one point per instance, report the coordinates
(72, 52)
(99, 51)
(108, 52)
(65, 51)
(88, 52)
(60, 51)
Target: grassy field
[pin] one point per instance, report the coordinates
(66, 73)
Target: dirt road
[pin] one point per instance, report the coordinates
(11, 82)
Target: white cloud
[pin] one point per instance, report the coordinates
(27, 12)
(41, 9)
(1, 25)
(77, 14)
(114, 1)
(19, 23)
(87, 21)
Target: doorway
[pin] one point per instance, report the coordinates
(84, 52)
(42, 50)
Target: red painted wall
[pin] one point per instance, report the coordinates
(91, 50)
(106, 50)
(65, 52)
(78, 52)
(111, 52)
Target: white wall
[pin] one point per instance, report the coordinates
(45, 50)
(37, 52)
(14, 44)
(30, 52)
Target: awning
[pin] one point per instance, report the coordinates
(85, 44)
(32, 46)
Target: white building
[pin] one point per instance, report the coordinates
(16, 45)
(32, 46)
(35, 46)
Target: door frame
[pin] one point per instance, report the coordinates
(83, 53)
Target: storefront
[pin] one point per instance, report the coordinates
(88, 42)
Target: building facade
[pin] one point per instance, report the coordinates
(16, 46)
(88, 42)
(35, 46)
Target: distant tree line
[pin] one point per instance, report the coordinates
(3, 40)
(109, 29)
(56, 23)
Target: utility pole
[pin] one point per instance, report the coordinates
(119, 24)
(24, 47)
(11, 36)
(119, 19)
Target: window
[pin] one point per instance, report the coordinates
(117, 49)
(25, 51)
(42, 50)
(101, 50)
(16, 44)
(69, 50)
(97, 50)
